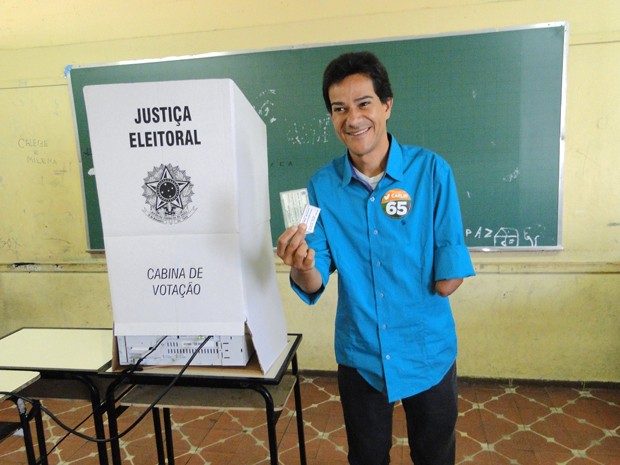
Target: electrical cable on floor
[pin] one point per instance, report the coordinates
(125, 374)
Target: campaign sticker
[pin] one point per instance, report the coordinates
(396, 203)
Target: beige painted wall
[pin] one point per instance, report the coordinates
(552, 315)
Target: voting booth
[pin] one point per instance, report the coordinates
(182, 181)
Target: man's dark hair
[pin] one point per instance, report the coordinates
(357, 63)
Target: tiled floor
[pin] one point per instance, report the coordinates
(515, 425)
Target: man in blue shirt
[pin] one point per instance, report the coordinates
(390, 224)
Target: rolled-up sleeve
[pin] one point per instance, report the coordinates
(451, 257)
(453, 262)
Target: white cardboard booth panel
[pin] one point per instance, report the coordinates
(182, 181)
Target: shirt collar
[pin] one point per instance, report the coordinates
(394, 167)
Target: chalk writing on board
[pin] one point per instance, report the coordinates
(266, 108)
(281, 164)
(480, 233)
(532, 233)
(508, 237)
(512, 176)
(315, 132)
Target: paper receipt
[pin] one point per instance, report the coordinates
(309, 217)
(296, 209)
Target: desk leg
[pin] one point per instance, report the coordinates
(100, 433)
(159, 443)
(169, 441)
(98, 410)
(102, 449)
(115, 447)
(24, 419)
(299, 413)
(271, 422)
(38, 421)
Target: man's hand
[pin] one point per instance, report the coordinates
(294, 251)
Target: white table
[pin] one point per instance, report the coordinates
(57, 349)
(68, 361)
(14, 381)
(11, 382)
(208, 387)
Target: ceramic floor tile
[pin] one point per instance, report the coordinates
(497, 424)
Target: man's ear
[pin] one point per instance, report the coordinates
(388, 106)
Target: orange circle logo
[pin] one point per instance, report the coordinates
(396, 203)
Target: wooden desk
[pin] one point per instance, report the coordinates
(68, 361)
(11, 382)
(204, 387)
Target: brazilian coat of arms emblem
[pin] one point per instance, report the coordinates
(168, 192)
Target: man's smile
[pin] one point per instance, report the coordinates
(359, 132)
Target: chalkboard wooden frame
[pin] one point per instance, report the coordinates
(491, 103)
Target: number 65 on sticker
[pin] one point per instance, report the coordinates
(396, 203)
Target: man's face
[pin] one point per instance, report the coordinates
(359, 116)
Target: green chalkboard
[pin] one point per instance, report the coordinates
(490, 103)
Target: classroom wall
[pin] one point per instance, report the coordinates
(544, 315)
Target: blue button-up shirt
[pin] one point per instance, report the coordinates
(389, 246)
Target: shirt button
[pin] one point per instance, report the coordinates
(378, 263)
(384, 327)
(375, 232)
(381, 295)
(387, 357)
(372, 199)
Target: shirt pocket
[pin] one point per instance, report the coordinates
(412, 261)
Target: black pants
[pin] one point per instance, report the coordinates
(431, 420)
